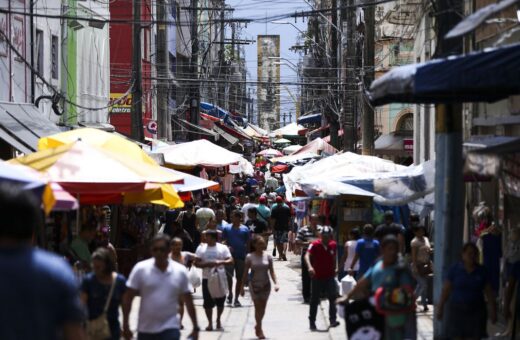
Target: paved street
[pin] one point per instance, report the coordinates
(286, 316)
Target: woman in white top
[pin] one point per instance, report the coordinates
(349, 250)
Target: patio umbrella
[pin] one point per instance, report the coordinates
(291, 148)
(270, 153)
(282, 141)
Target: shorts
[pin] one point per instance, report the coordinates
(167, 334)
(237, 267)
(210, 302)
(280, 236)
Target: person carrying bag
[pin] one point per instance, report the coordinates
(98, 328)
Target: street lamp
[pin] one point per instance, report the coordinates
(284, 59)
(288, 65)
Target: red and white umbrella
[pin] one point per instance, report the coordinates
(270, 153)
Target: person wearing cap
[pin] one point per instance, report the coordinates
(421, 263)
(389, 227)
(280, 219)
(307, 235)
(367, 252)
(320, 259)
(264, 212)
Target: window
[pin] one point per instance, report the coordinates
(54, 57)
(39, 51)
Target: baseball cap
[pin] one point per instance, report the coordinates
(279, 199)
(262, 199)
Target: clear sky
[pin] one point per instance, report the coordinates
(260, 9)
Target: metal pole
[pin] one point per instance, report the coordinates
(449, 181)
(137, 91)
(349, 102)
(331, 115)
(163, 120)
(195, 94)
(368, 70)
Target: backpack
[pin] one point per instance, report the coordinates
(395, 298)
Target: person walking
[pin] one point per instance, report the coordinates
(248, 204)
(321, 262)
(367, 251)
(102, 291)
(161, 283)
(80, 245)
(389, 227)
(211, 255)
(220, 216)
(256, 225)
(188, 222)
(463, 299)
(307, 235)
(264, 212)
(349, 252)
(390, 275)
(421, 263)
(237, 237)
(38, 291)
(259, 265)
(203, 215)
(280, 219)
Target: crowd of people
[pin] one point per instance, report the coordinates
(224, 239)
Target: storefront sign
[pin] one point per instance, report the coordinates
(119, 104)
(408, 145)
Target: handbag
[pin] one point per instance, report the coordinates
(98, 328)
(217, 283)
(194, 278)
(396, 298)
(424, 269)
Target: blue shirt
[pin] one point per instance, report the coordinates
(38, 294)
(237, 239)
(390, 276)
(368, 252)
(467, 288)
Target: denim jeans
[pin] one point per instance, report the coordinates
(422, 288)
(167, 334)
(330, 288)
(306, 279)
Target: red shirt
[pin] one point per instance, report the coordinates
(323, 259)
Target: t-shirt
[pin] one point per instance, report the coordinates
(237, 239)
(160, 292)
(467, 288)
(218, 252)
(368, 252)
(388, 276)
(263, 213)
(38, 294)
(257, 226)
(323, 259)
(245, 208)
(388, 229)
(203, 216)
(351, 246)
(423, 249)
(306, 234)
(271, 183)
(80, 249)
(227, 183)
(281, 213)
(97, 294)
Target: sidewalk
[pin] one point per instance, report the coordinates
(286, 316)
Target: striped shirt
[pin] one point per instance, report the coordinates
(306, 234)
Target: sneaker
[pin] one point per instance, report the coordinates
(312, 326)
(334, 323)
(230, 299)
(237, 304)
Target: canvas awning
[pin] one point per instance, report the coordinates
(391, 144)
(22, 125)
(485, 76)
(310, 119)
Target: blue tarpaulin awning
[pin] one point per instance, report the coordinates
(485, 76)
(310, 119)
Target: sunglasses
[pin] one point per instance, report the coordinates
(159, 249)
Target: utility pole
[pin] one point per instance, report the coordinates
(137, 90)
(449, 181)
(163, 119)
(222, 69)
(368, 73)
(194, 89)
(332, 116)
(349, 100)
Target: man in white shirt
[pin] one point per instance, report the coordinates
(210, 255)
(203, 215)
(250, 203)
(160, 282)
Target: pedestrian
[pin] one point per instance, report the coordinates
(255, 224)
(103, 240)
(349, 252)
(249, 203)
(102, 291)
(161, 283)
(212, 255)
(173, 229)
(280, 219)
(203, 215)
(264, 212)
(261, 265)
(390, 276)
(188, 222)
(80, 245)
(307, 235)
(220, 216)
(389, 227)
(237, 237)
(38, 291)
(185, 258)
(421, 263)
(321, 262)
(464, 294)
(367, 251)
(491, 242)
(212, 226)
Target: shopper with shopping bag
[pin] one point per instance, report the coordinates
(212, 257)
